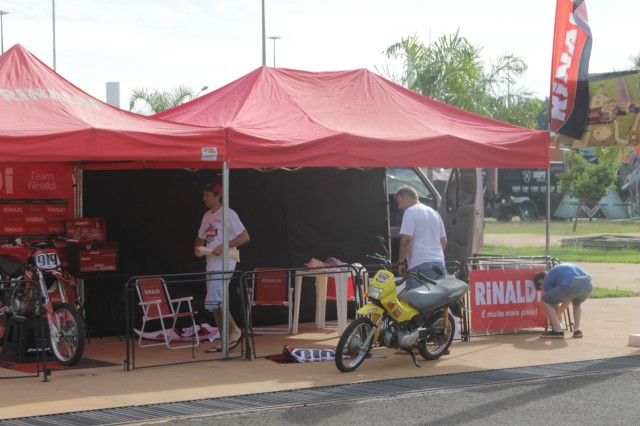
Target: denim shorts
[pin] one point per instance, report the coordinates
(213, 300)
(577, 290)
(425, 269)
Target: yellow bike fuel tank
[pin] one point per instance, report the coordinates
(383, 288)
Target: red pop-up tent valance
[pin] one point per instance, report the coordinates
(286, 118)
(44, 118)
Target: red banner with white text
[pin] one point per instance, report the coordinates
(505, 300)
(35, 199)
(569, 98)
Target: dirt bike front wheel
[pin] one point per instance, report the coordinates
(352, 350)
(67, 343)
(440, 337)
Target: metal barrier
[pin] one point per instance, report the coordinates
(16, 327)
(173, 281)
(356, 271)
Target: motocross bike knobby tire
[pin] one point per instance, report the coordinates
(351, 350)
(68, 345)
(439, 339)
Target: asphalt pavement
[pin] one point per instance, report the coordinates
(599, 399)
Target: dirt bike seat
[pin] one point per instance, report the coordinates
(433, 297)
(12, 258)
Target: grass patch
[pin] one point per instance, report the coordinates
(562, 228)
(601, 293)
(567, 254)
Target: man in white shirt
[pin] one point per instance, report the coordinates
(422, 238)
(210, 236)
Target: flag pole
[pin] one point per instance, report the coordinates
(549, 107)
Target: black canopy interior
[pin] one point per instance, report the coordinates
(291, 216)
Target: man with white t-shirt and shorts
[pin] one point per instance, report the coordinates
(210, 236)
(422, 238)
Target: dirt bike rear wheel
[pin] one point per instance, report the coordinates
(351, 350)
(439, 338)
(68, 344)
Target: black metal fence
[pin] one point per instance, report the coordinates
(23, 329)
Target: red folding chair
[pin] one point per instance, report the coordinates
(331, 289)
(351, 293)
(157, 305)
(271, 287)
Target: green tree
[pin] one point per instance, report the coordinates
(635, 61)
(156, 100)
(584, 180)
(542, 119)
(451, 70)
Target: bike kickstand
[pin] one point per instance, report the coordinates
(413, 357)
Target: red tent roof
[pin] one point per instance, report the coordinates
(44, 118)
(279, 117)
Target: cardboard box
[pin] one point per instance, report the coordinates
(88, 258)
(86, 230)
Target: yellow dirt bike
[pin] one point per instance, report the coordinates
(418, 318)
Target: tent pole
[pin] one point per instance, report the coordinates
(225, 260)
(77, 192)
(78, 212)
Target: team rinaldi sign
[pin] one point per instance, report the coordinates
(505, 300)
(35, 199)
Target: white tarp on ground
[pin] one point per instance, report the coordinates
(204, 330)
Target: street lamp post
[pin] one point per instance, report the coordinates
(264, 39)
(201, 90)
(53, 15)
(274, 38)
(2, 13)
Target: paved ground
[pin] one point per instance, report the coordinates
(608, 324)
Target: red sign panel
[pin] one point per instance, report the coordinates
(86, 230)
(505, 300)
(35, 199)
(35, 181)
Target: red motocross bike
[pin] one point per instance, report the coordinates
(33, 285)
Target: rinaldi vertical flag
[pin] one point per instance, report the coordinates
(569, 99)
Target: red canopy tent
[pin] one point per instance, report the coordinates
(47, 119)
(279, 117)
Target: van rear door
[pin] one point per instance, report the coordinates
(462, 210)
(462, 207)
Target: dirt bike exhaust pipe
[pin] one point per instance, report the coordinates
(410, 339)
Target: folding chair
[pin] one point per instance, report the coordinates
(331, 289)
(157, 305)
(271, 287)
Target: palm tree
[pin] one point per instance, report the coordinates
(159, 100)
(451, 70)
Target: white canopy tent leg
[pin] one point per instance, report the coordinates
(548, 210)
(225, 260)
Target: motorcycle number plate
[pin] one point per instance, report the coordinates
(382, 277)
(47, 259)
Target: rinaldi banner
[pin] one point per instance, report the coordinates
(505, 300)
(569, 98)
(35, 199)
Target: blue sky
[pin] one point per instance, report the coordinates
(163, 44)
